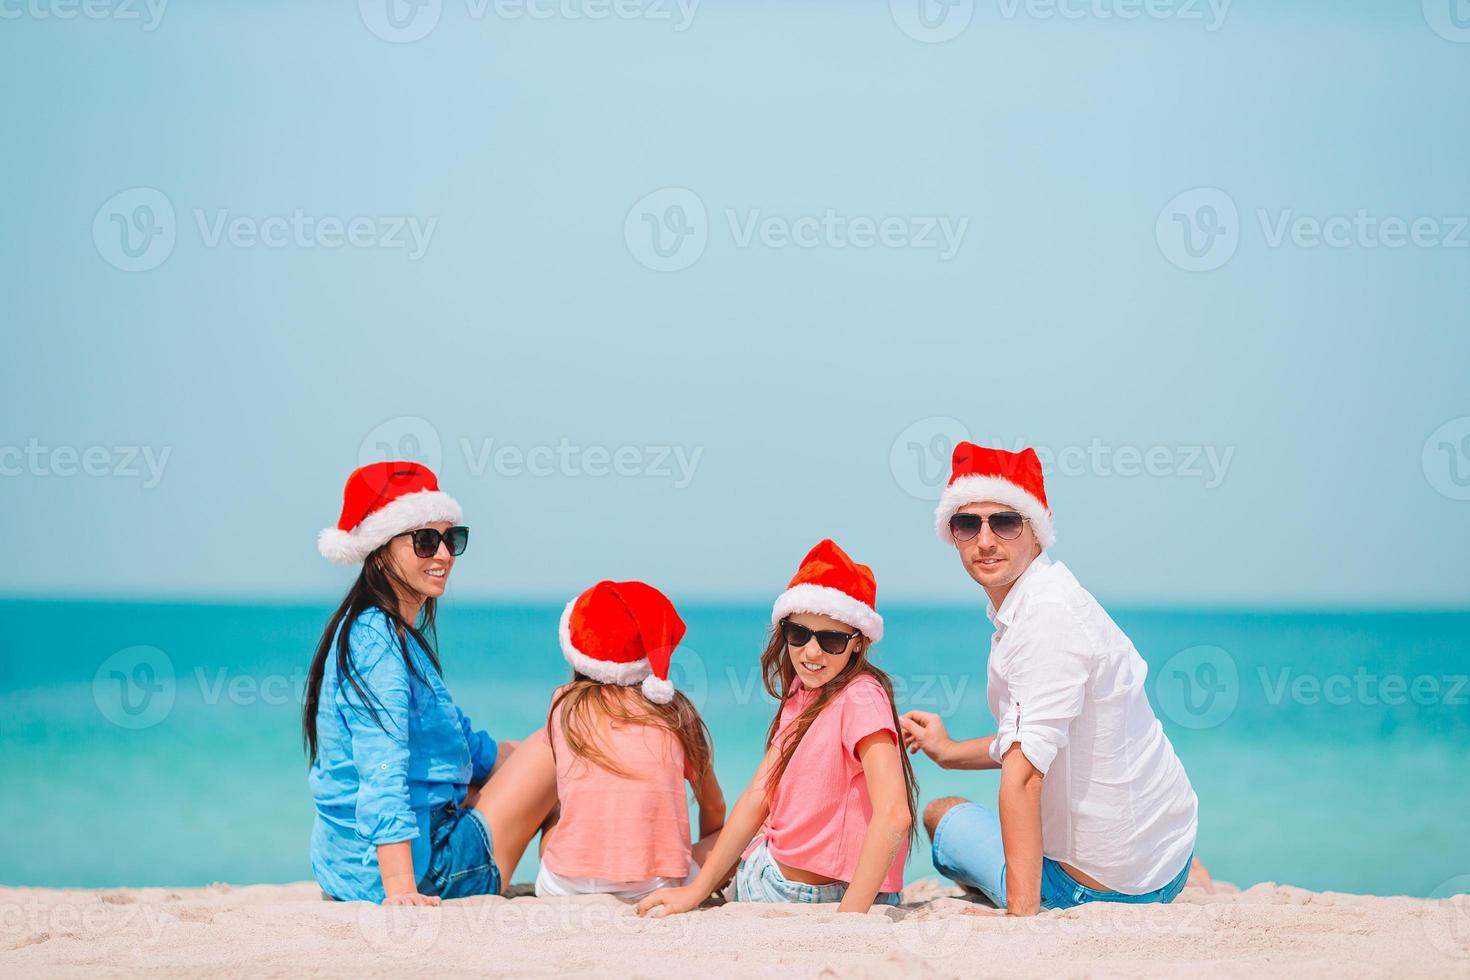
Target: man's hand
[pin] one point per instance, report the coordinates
(925, 730)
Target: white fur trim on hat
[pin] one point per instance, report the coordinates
(824, 601)
(605, 671)
(410, 511)
(976, 489)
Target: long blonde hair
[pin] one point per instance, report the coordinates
(585, 702)
(779, 676)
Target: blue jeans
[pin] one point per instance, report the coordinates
(967, 849)
(759, 879)
(461, 862)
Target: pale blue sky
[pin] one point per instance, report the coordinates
(1292, 395)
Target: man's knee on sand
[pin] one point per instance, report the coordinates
(935, 811)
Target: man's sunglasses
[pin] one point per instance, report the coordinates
(426, 540)
(831, 641)
(1004, 524)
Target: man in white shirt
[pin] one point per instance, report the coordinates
(1094, 804)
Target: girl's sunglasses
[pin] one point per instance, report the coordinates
(426, 540)
(831, 641)
(1004, 524)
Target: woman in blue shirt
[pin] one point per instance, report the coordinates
(396, 766)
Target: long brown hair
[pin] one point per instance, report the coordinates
(585, 702)
(378, 586)
(779, 676)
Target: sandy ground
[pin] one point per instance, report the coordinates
(287, 930)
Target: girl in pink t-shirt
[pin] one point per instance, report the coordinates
(623, 754)
(830, 811)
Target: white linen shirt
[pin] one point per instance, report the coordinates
(1068, 684)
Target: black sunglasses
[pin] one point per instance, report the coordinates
(426, 540)
(831, 641)
(1004, 524)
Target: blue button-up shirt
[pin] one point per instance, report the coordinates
(378, 781)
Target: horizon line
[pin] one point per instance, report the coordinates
(732, 600)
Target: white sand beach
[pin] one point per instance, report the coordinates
(287, 930)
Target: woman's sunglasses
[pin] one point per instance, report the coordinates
(426, 540)
(1004, 524)
(831, 641)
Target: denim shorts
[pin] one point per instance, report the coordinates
(759, 879)
(967, 849)
(461, 862)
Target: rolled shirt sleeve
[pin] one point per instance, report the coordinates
(380, 745)
(1047, 676)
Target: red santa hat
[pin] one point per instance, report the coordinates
(623, 633)
(382, 500)
(831, 584)
(979, 474)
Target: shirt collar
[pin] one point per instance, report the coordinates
(1007, 611)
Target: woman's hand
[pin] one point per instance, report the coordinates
(411, 898)
(400, 887)
(672, 900)
(925, 730)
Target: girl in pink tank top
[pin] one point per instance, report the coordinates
(830, 812)
(625, 743)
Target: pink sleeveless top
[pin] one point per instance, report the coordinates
(615, 827)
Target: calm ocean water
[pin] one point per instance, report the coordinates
(154, 744)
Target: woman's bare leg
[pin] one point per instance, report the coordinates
(700, 853)
(516, 801)
(502, 754)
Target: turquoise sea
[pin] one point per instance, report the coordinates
(158, 744)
